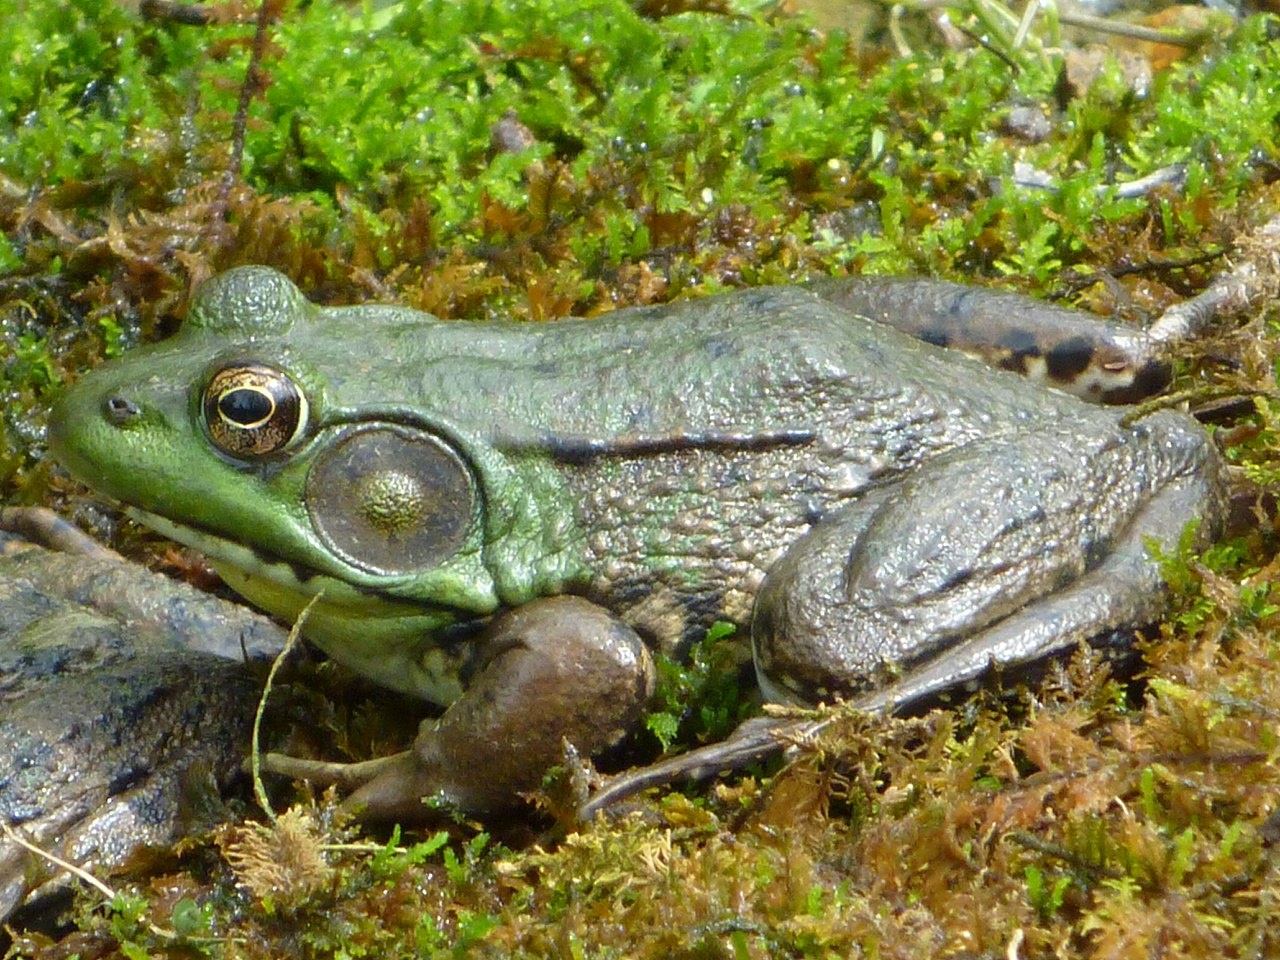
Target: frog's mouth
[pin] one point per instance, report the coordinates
(378, 636)
(280, 586)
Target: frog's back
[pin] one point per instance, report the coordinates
(696, 441)
(760, 359)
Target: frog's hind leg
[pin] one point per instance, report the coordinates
(1007, 551)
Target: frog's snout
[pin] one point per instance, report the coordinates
(86, 430)
(66, 425)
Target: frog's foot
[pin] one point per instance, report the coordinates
(1100, 361)
(105, 755)
(555, 670)
(331, 773)
(752, 741)
(1007, 551)
(387, 788)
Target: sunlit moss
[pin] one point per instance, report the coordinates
(667, 157)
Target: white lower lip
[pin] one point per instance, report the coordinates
(226, 551)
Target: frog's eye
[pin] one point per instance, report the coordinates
(391, 499)
(252, 410)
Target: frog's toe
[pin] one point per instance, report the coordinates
(385, 789)
(401, 792)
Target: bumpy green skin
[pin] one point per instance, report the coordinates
(658, 461)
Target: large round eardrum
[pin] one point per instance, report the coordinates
(390, 500)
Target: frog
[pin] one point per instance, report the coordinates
(511, 519)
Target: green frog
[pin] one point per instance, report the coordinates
(508, 518)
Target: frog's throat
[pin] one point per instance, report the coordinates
(276, 586)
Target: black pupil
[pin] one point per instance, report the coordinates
(245, 407)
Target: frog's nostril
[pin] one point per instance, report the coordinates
(120, 410)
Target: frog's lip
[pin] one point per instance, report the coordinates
(296, 576)
(254, 563)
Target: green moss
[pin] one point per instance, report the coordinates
(664, 157)
(88, 90)
(701, 697)
(639, 119)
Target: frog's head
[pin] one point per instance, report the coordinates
(234, 437)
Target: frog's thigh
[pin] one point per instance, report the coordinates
(1009, 550)
(554, 670)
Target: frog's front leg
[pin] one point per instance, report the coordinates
(553, 671)
(1005, 551)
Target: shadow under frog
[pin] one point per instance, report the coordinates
(890, 517)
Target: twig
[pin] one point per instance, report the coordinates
(1254, 279)
(1179, 38)
(41, 525)
(1173, 175)
(1058, 851)
(1133, 31)
(1031, 178)
(240, 122)
(67, 865)
(255, 750)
